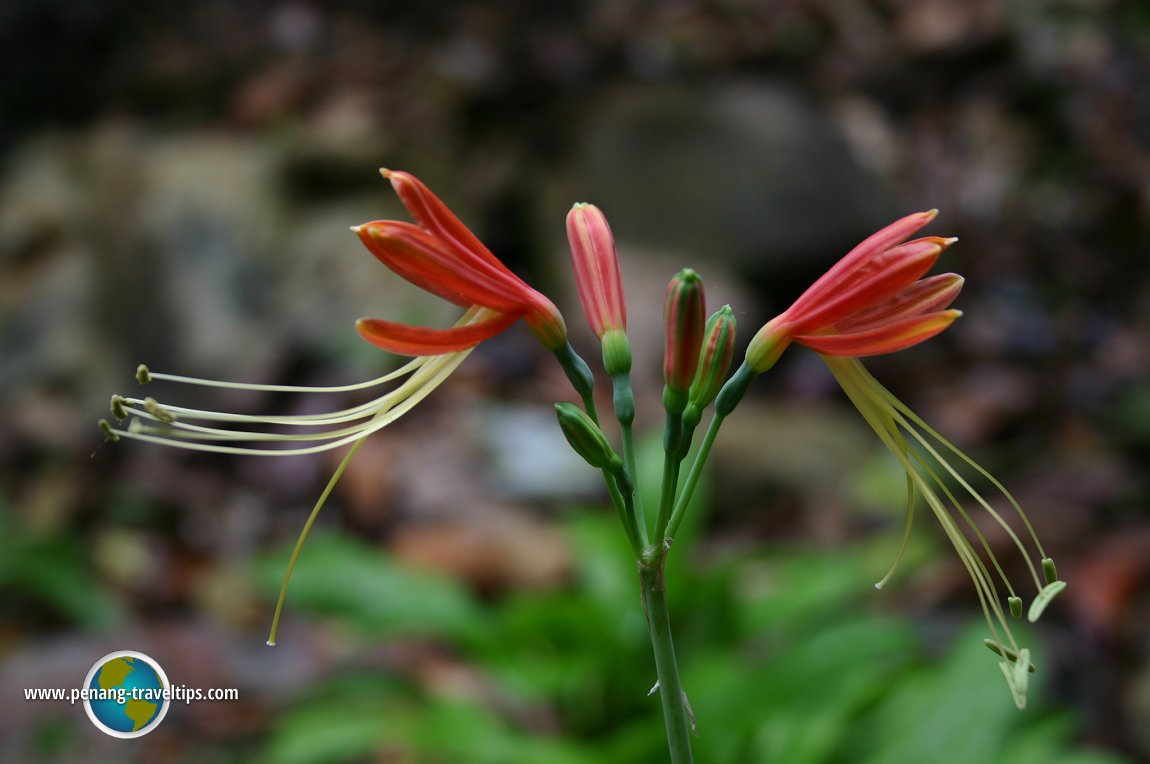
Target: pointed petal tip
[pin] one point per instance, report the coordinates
(356, 228)
(386, 172)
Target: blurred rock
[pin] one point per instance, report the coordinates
(750, 173)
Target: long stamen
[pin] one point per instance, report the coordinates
(973, 493)
(905, 535)
(424, 375)
(853, 379)
(889, 418)
(406, 368)
(418, 386)
(970, 523)
(905, 410)
(297, 420)
(304, 534)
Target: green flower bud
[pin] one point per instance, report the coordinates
(586, 438)
(715, 355)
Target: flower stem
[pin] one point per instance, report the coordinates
(624, 400)
(673, 433)
(625, 505)
(694, 475)
(670, 688)
(726, 401)
(579, 373)
(667, 495)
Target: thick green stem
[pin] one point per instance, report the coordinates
(671, 694)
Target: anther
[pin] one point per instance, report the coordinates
(143, 376)
(1015, 606)
(109, 434)
(158, 411)
(1016, 677)
(1011, 655)
(1048, 593)
(1049, 572)
(118, 409)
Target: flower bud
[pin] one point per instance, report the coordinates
(683, 318)
(596, 263)
(715, 355)
(586, 438)
(767, 346)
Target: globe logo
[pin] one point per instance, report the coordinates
(126, 694)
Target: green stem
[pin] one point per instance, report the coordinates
(693, 475)
(624, 400)
(625, 505)
(671, 465)
(579, 373)
(671, 694)
(672, 439)
(725, 402)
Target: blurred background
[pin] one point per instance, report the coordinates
(176, 184)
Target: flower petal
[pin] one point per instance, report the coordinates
(886, 338)
(405, 339)
(923, 296)
(876, 280)
(874, 244)
(435, 216)
(423, 260)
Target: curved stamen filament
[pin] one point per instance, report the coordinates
(418, 386)
(902, 411)
(303, 537)
(906, 411)
(424, 374)
(406, 368)
(974, 528)
(888, 423)
(334, 417)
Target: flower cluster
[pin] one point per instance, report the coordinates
(877, 299)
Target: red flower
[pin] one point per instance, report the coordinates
(872, 301)
(441, 255)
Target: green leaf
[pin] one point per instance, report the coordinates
(344, 577)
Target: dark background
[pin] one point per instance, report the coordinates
(177, 181)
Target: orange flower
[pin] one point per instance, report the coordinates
(439, 254)
(873, 301)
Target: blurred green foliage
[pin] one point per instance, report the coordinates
(782, 659)
(52, 573)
